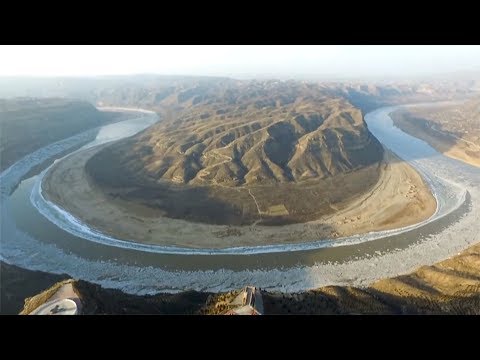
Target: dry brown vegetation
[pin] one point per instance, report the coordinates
(239, 154)
(453, 129)
(28, 124)
(449, 287)
(341, 206)
(38, 300)
(219, 304)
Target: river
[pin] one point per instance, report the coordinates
(51, 241)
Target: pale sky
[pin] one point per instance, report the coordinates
(237, 60)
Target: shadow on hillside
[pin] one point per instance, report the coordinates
(348, 300)
(408, 296)
(196, 204)
(274, 204)
(17, 284)
(98, 300)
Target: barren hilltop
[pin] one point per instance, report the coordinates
(254, 133)
(243, 136)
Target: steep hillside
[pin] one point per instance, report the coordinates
(256, 135)
(451, 286)
(253, 136)
(28, 124)
(18, 284)
(453, 129)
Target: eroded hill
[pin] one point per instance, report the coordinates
(245, 152)
(252, 137)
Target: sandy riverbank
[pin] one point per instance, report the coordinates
(446, 143)
(408, 198)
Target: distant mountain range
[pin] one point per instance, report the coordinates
(150, 90)
(281, 144)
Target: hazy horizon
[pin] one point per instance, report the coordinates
(239, 61)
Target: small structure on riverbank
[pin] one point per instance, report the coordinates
(249, 302)
(57, 307)
(60, 299)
